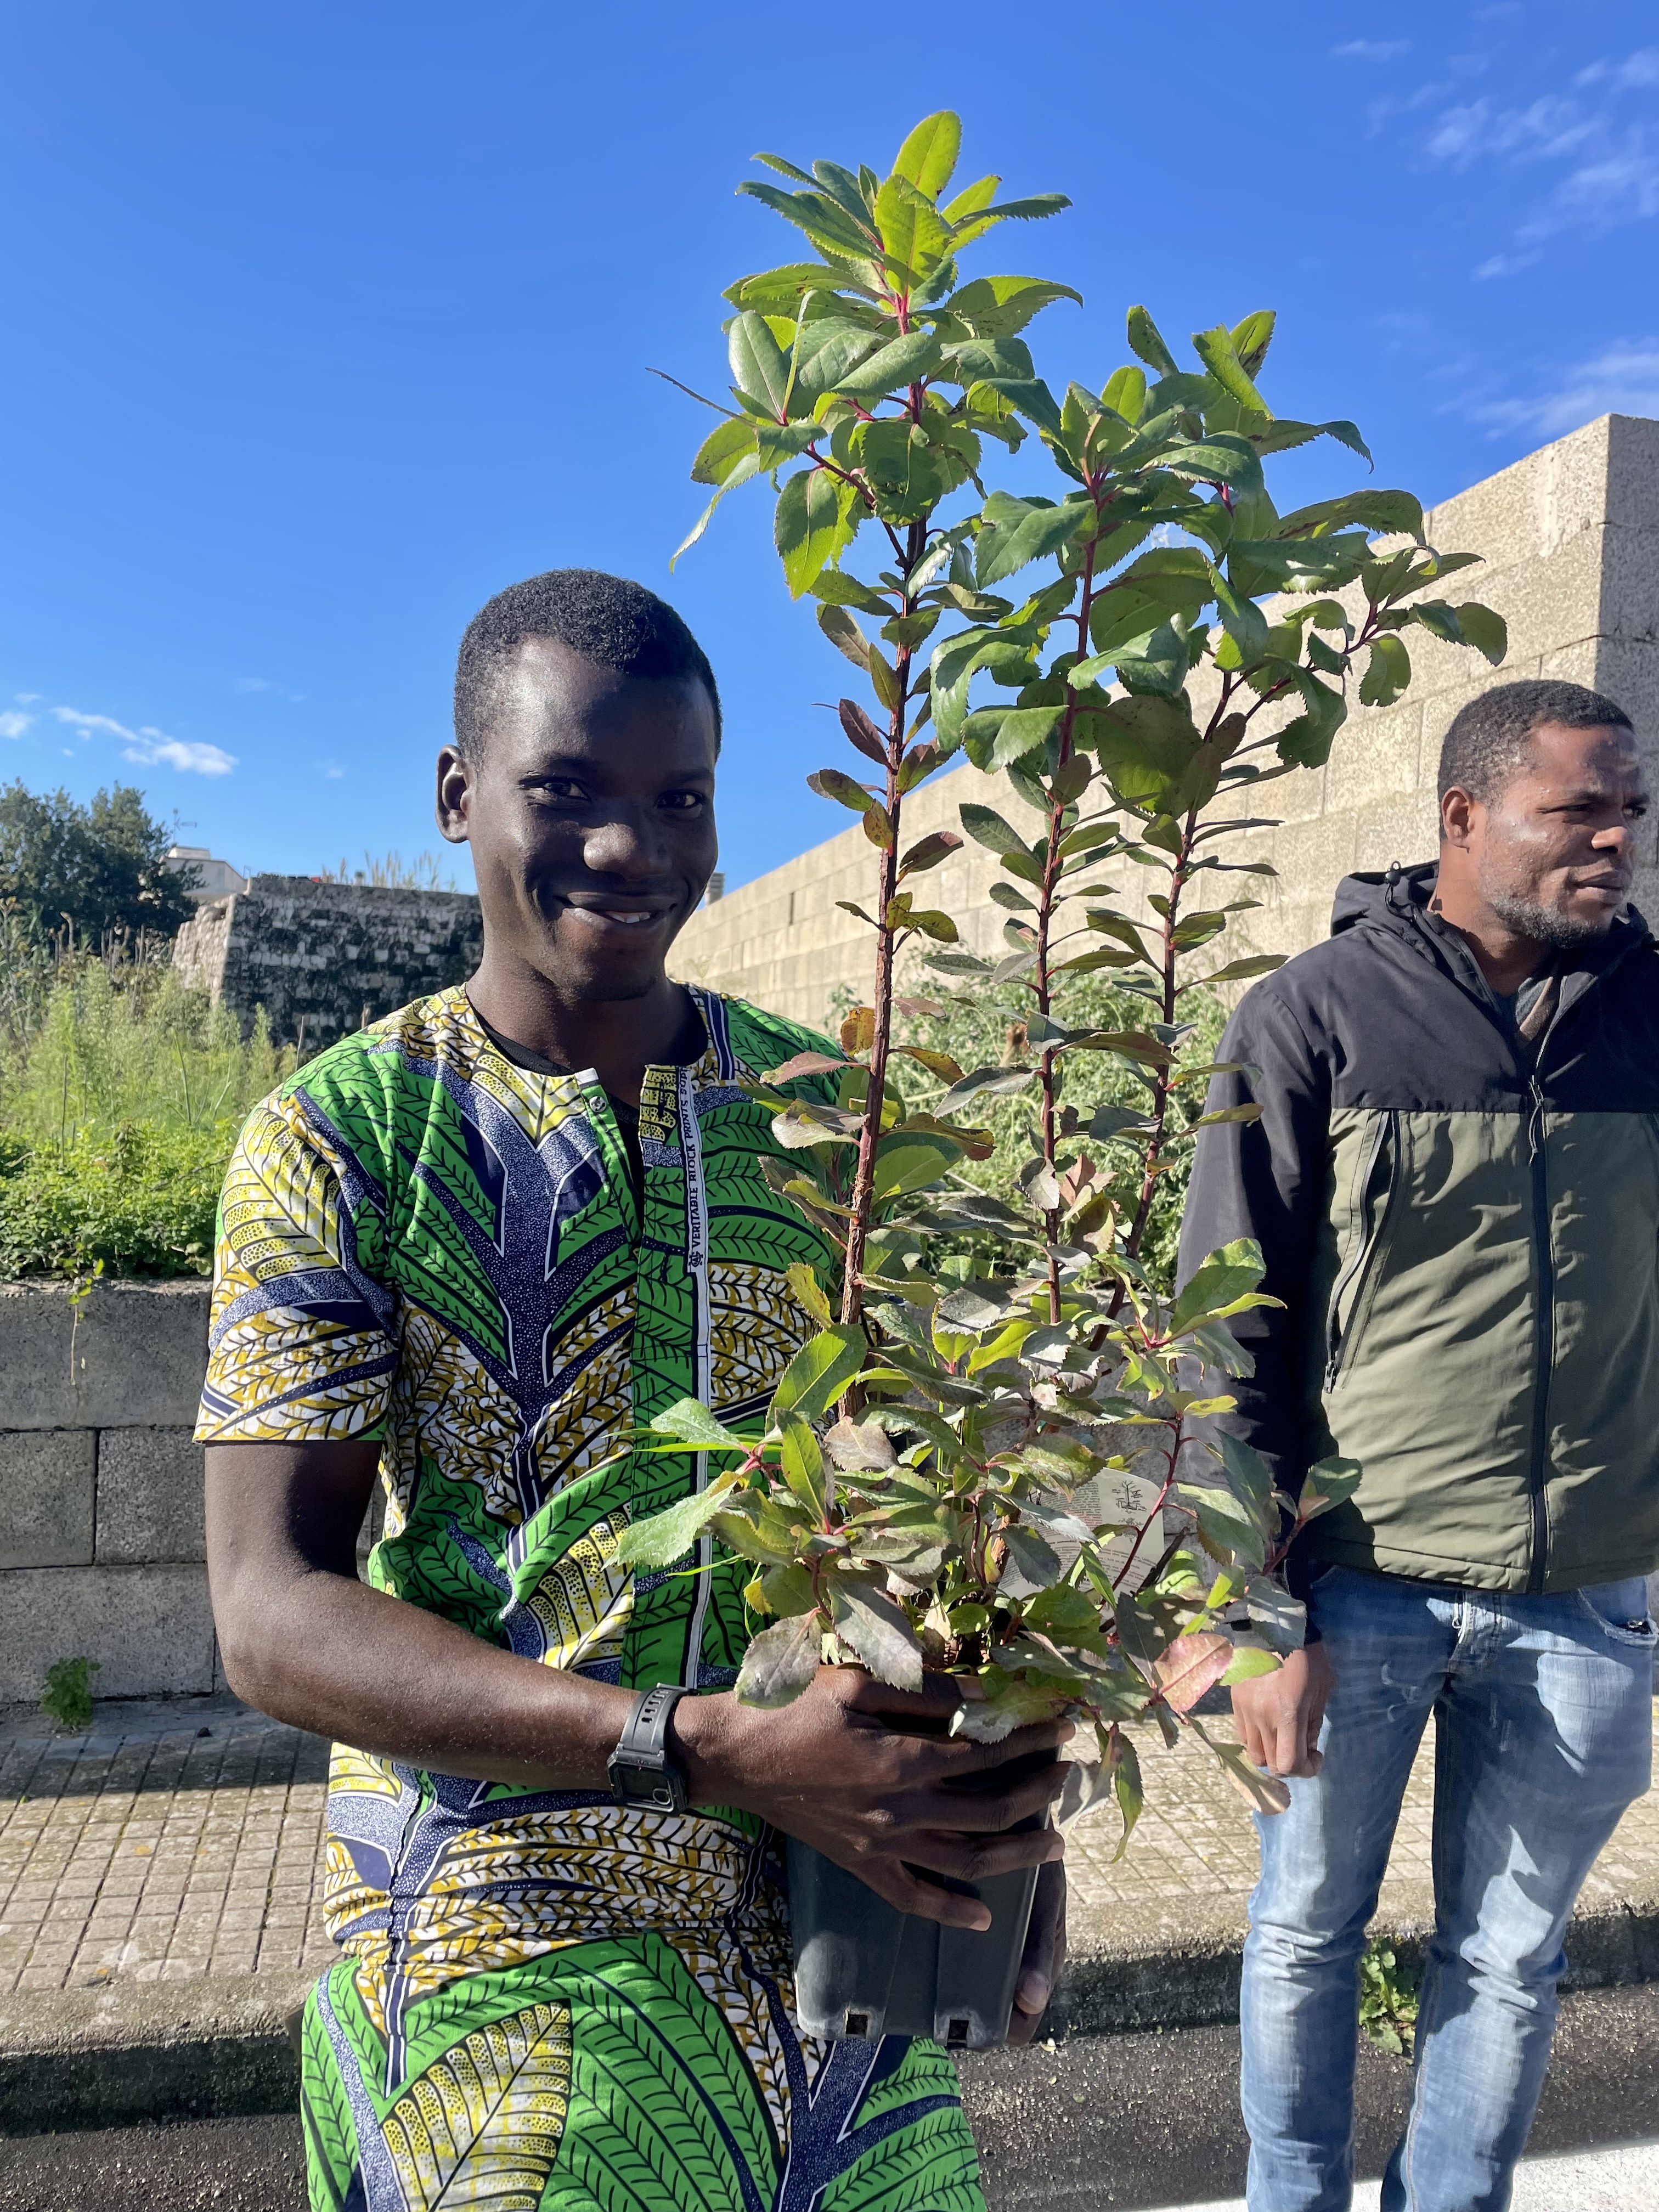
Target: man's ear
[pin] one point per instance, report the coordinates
(455, 795)
(1458, 809)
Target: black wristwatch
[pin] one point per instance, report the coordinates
(643, 1771)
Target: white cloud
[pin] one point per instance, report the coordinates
(1481, 130)
(333, 773)
(245, 684)
(1622, 379)
(14, 725)
(26, 698)
(151, 747)
(1371, 50)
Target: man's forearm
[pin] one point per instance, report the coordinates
(328, 1653)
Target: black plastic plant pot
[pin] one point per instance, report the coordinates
(865, 1969)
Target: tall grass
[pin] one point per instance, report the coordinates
(121, 1093)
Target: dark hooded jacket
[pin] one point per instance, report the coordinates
(1463, 1226)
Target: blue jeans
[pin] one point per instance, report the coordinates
(1543, 1712)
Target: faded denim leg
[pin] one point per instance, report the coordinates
(1543, 1735)
(1322, 1861)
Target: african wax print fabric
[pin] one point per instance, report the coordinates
(544, 1999)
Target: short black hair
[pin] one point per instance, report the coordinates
(1488, 739)
(606, 619)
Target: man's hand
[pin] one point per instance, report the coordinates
(1279, 1715)
(1045, 1955)
(868, 1776)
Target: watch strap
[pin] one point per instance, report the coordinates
(642, 1770)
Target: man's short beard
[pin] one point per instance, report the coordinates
(1565, 932)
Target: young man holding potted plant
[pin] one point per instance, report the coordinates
(473, 1250)
(1453, 1181)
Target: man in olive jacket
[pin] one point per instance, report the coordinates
(1454, 1183)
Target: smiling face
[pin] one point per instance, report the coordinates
(590, 813)
(1553, 853)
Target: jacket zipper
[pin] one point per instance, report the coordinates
(1357, 1271)
(1544, 1330)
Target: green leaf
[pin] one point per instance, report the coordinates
(1218, 1282)
(808, 1292)
(1250, 1660)
(835, 783)
(910, 1163)
(1258, 963)
(1126, 393)
(803, 1462)
(1146, 341)
(987, 827)
(872, 1628)
(914, 237)
(830, 228)
(1216, 350)
(725, 448)
(1488, 633)
(844, 634)
(760, 367)
(1247, 1471)
(1252, 338)
(780, 1662)
(928, 156)
(1002, 306)
(1387, 673)
(1328, 1482)
(1017, 532)
(693, 1424)
(811, 525)
(904, 362)
(819, 1372)
(1396, 513)
(1126, 1783)
(667, 1537)
(1028, 396)
(1220, 458)
(1228, 1522)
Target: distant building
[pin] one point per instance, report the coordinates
(214, 878)
(324, 958)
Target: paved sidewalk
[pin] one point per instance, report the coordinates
(160, 1879)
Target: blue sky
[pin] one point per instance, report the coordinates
(327, 322)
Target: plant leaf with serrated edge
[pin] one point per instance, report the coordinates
(1192, 1665)
(875, 1630)
(808, 1292)
(693, 1424)
(819, 1372)
(1263, 1791)
(666, 1537)
(1225, 1275)
(780, 1662)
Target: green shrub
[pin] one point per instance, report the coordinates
(118, 1108)
(67, 1698)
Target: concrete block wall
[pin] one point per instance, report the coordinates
(1569, 541)
(101, 1488)
(101, 1549)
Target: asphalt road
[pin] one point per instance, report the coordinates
(1119, 2121)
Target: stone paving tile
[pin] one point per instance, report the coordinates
(178, 1839)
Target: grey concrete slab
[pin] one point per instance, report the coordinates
(47, 1480)
(149, 1497)
(150, 1629)
(129, 1355)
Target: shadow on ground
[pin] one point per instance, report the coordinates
(1104, 2123)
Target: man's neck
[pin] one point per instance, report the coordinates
(1504, 955)
(617, 1038)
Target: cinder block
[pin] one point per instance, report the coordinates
(46, 1498)
(149, 1628)
(1408, 830)
(149, 1497)
(133, 1356)
(1375, 757)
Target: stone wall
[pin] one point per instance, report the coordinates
(101, 1488)
(101, 1549)
(1570, 541)
(323, 959)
